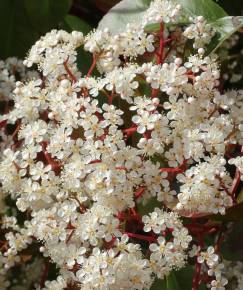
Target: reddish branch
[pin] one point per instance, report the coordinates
(44, 275)
(161, 45)
(236, 181)
(56, 166)
(149, 239)
(197, 277)
(70, 74)
(93, 65)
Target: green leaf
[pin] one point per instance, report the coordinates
(231, 246)
(124, 12)
(168, 283)
(210, 10)
(70, 23)
(240, 196)
(177, 280)
(75, 23)
(158, 285)
(45, 14)
(149, 206)
(184, 278)
(171, 282)
(16, 33)
(22, 23)
(225, 27)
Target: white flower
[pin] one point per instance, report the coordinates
(201, 31)
(219, 284)
(209, 257)
(39, 171)
(34, 132)
(162, 11)
(111, 116)
(89, 152)
(145, 122)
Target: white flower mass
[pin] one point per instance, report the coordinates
(88, 151)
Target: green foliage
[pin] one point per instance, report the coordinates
(22, 22)
(127, 11)
(45, 14)
(124, 12)
(231, 247)
(71, 23)
(185, 277)
(18, 33)
(177, 280)
(225, 26)
(25, 21)
(206, 8)
(171, 282)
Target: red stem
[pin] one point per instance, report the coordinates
(44, 275)
(16, 130)
(92, 66)
(149, 239)
(236, 180)
(161, 44)
(54, 165)
(139, 192)
(196, 277)
(71, 75)
(130, 130)
(70, 236)
(176, 169)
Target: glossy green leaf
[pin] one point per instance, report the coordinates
(184, 278)
(71, 23)
(240, 196)
(210, 10)
(16, 33)
(177, 280)
(22, 23)
(76, 23)
(225, 27)
(168, 283)
(45, 14)
(158, 285)
(171, 282)
(206, 8)
(124, 12)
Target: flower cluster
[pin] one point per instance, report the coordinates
(11, 70)
(200, 31)
(162, 12)
(170, 253)
(214, 268)
(88, 151)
